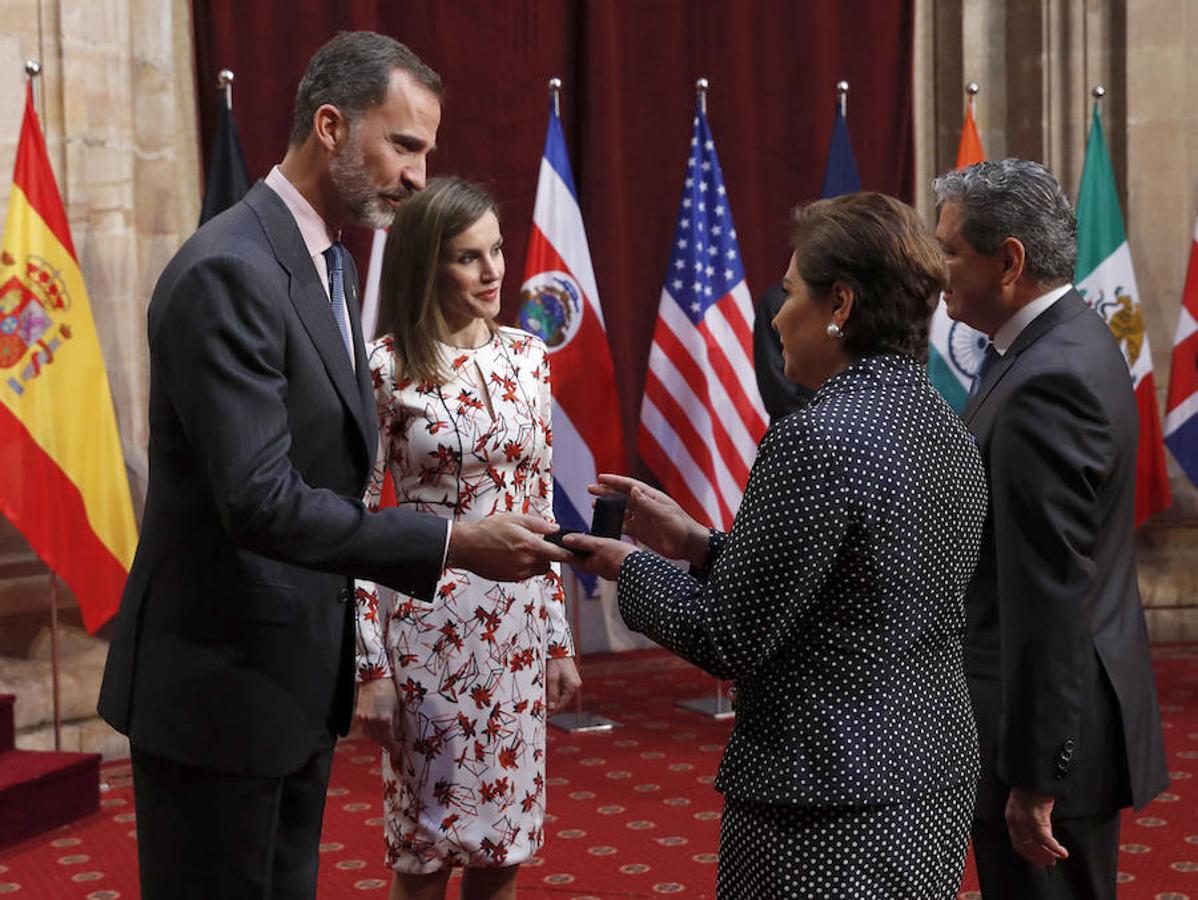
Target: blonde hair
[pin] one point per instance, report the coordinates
(409, 308)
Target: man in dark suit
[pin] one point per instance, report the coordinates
(232, 661)
(1056, 649)
(780, 395)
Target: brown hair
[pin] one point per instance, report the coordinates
(880, 248)
(352, 72)
(409, 308)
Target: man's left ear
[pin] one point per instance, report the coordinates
(1014, 258)
(843, 296)
(330, 126)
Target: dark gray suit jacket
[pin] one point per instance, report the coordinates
(234, 645)
(1056, 646)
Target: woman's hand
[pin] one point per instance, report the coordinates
(655, 520)
(604, 556)
(561, 681)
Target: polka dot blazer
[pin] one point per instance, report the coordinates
(836, 601)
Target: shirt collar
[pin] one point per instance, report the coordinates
(1005, 336)
(315, 232)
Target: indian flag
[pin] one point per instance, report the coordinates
(62, 472)
(954, 349)
(1105, 278)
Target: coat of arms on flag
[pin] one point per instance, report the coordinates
(30, 291)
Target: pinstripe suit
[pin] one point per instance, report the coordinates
(233, 650)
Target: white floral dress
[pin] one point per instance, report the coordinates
(468, 787)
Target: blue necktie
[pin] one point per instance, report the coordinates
(988, 360)
(337, 295)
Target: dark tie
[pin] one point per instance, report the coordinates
(337, 294)
(988, 360)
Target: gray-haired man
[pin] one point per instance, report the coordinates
(1056, 649)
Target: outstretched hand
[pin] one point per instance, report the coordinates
(504, 547)
(655, 520)
(601, 556)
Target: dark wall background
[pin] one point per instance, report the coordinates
(629, 71)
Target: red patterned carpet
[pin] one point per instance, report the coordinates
(633, 813)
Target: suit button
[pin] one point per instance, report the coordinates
(1069, 745)
(344, 596)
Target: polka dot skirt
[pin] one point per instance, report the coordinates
(913, 850)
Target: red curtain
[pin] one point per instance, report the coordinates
(629, 71)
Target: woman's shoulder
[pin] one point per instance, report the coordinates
(522, 342)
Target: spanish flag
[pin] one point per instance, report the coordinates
(62, 473)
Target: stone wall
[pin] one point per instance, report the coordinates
(1036, 62)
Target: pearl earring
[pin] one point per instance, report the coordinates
(833, 331)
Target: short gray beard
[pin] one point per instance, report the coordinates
(356, 189)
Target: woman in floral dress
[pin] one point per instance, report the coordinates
(464, 430)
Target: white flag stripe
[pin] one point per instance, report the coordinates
(557, 215)
(721, 404)
(1180, 414)
(1116, 272)
(374, 271)
(734, 352)
(573, 463)
(748, 312)
(684, 395)
(678, 455)
(938, 337)
(1185, 326)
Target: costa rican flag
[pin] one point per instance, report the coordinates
(559, 303)
(702, 416)
(1181, 409)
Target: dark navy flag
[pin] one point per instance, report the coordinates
(840, 173)
(227, 179)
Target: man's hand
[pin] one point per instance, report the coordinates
(604, 556)
(1029, 822)
(561, 681)
(377, 713)
(504, 547)
(655, 520)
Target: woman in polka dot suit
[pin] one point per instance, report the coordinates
(836, 601)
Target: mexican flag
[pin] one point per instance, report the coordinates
(1105, 278)
(954, 349)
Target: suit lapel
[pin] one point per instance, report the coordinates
(311, 303)
(1069, 306)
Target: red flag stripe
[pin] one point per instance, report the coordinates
(676, 485)
(1152, 477)
(697, 380)
(32, 173)
(684, 429)
(724, 370)
(84, 563)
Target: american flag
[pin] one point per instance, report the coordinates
(702, 416)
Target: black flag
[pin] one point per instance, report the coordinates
(227, 180)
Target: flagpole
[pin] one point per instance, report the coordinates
(578, 721)
(33, 69)
(224, 81)
(716, 707)
(842, 97)
(971, 92)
